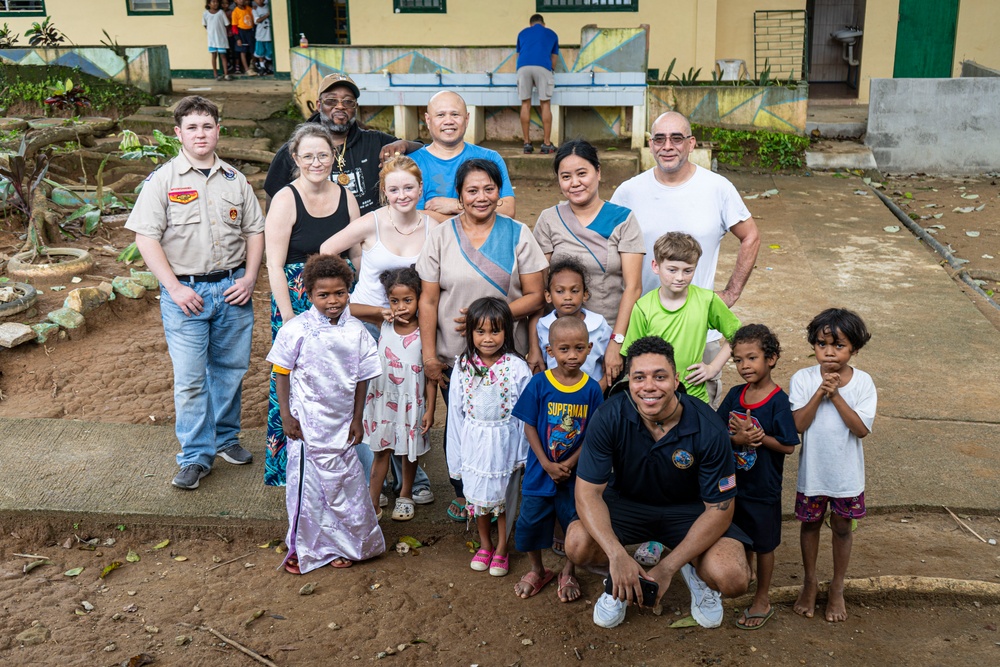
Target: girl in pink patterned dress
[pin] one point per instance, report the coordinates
(399, 407)
(486, 443)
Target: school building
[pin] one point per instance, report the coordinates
(878, 38)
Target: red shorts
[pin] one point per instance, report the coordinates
(812, 508)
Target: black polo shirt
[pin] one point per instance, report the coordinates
(361, 151)
(691, 463)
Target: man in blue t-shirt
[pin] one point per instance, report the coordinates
(537, 54)
(657, 465)
(447, 119)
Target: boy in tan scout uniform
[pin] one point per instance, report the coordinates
(200, 231)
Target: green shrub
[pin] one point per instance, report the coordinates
(773, 150)
(34, 83)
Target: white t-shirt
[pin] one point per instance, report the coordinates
(599, 332)
(706, 207)
(831, 459)
(216, 24)
(263, 29)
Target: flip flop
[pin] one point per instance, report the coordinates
(745, 616)
(343, 564)
(481, 561)
(559, 547)
(457, 511)
(536, 582)
(292, 564)
(568, 582)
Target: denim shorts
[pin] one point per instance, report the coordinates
(538, 516)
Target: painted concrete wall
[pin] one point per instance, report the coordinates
(936, 126)
(772, 108)
(182, 32)
(147, 68)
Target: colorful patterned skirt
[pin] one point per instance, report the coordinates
(276, 457)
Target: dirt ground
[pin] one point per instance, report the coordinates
(443, 613)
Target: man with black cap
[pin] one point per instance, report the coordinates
(359, 151)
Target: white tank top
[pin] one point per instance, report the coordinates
(369, 290)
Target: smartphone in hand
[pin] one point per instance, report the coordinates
(650, 589)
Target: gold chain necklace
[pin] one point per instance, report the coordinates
(342, 178)
(415, 227)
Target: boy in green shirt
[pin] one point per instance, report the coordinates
(682, 313)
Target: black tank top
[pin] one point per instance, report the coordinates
(309, 233)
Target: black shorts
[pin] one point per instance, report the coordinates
(761, 521)
(637, 522)
(247, 38)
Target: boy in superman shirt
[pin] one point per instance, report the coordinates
(555, 408)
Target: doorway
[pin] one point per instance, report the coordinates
(833, 69)
(321, 21)
(925, 39)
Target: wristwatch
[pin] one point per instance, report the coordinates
(618, 338)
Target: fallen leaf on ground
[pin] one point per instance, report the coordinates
(132, 556)
(964, 209)
(74, 572)
(180, 558)
(892, 229)
(161, 545)
(110, 567)
(686, 622)
(273, 543)
(972, 234)
(28, 567)
(413, 542)
(969, 196)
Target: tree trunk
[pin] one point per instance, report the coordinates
(56, 135)
(38, 235)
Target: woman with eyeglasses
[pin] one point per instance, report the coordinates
(302, 215)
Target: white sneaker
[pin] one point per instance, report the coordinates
(608, 611)
(382, 500)
(423, 496)
(706, 604)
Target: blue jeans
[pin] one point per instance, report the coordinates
(210, 353)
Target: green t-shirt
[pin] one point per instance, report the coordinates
(685, 328)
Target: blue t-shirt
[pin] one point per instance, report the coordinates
(439, 175)
(560, 415)
(536, 45)
(758, 469)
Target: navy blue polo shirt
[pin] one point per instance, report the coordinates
(692, 462)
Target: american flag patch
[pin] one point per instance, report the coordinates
(727, 483)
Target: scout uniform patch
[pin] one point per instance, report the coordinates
(185, 196)
(233, 214)
(228, 174)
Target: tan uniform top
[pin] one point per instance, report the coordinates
(201, 222)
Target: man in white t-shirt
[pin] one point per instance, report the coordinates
(679, 196)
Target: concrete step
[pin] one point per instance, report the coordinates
(840, 155)
(843, 121)
(145, 124)
(616, 165)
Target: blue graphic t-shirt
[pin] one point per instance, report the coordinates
(439, 174)
(759, 470)
(560, 415)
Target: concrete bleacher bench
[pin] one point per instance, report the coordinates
(408, 92)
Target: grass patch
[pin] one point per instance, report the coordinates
(756, 148)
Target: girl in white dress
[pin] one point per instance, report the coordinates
(486, 444)
(399, 407)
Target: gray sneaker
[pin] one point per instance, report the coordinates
(423, 496)
(235, 454)
(189, 476)
(706, 604)
(608, 611)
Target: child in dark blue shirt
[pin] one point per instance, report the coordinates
(555, 408)
(762, 432)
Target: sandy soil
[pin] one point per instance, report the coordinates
(434, 604)
(446, 614)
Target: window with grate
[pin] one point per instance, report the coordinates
(586, 5)
(22, 7)
(149, 7)
(419, 6)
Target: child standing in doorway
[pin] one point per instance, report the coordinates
(762, 432)
(486, 442)
(264, 45)
(555, 409)
(243, 22)
(323, 360)
(217, 25)
(399, 407)
(833, 405)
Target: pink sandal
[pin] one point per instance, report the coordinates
(482, 560)
(499, 566)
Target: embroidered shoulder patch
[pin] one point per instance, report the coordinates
(184, 196)
(233, 214)
(228, 174)
(727, 483)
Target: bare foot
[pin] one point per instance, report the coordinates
(836, 607)
(806, 604)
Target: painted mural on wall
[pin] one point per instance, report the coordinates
(148, 67)
(601, 49)
(773, 108)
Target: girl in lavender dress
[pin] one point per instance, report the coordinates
(323, 360)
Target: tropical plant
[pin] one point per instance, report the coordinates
(8, 38)
(87, 217)
(133, 149)
(119, 51)
(24, 184)
(44, 34)
(66, 95)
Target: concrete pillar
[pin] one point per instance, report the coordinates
(638, 127)
(476, 132)
(407, 124)
(557, 124)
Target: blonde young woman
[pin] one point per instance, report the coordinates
(304, 214)
(390, 237)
